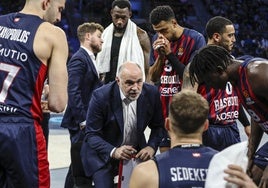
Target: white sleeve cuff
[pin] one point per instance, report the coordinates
(112, 152)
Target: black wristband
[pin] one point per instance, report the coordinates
(176, 64)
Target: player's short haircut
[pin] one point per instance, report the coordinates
(121, 4)
(208, 59)
(87, 28)
(161, 13)
(217, 24)
(188, 111)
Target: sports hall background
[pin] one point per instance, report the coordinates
(250, 18)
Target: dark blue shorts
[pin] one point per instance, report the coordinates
(23, 155)
(220, 137)
(261, 156)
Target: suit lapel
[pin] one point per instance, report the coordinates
(142, 109)
(91, 64)
(117, 107)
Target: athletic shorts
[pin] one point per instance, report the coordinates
(220, 137)
(261, 156)
(23, 154)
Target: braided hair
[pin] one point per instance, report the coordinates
(209, 59)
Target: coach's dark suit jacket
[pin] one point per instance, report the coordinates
(83, 79)
(104, 129)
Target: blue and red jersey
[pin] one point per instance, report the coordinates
(183, 48)
(223, 104)
(184, 166)
(22, 74)
(256, 109)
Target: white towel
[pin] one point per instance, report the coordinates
(234, 154)
(130, 48)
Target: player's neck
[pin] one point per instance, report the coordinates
(185, 141)
(232, 71)
(179, 31)
(32, 10)
(119, 32)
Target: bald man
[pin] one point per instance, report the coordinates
(118, 115)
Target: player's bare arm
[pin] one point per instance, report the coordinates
(254, 141)
(55, 59)
(146, 46)
(258, 77)
(144, 175)
(156, 69)
(257, 73)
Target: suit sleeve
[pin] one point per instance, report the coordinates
(76, 72)
(95, 126)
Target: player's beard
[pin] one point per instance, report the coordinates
(120, 29)
(226, 45)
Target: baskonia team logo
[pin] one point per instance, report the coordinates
(180, 52)
(249, 101)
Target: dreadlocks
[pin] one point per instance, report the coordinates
(211, 58)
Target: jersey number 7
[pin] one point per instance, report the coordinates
(11, 74)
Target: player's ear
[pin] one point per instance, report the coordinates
(117, 79)
(45, 4)
(174, 22)
(130, 13)
(206, 125)
(88, 36)
(220, 69)
(216, 37)
(167, 124)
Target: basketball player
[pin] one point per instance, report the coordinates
(30, 50)
(186, 163)
(214, 66)
(122, 40)
(173, 48)
(225, 108)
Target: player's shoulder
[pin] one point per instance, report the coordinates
(146, 167)
(142, 34)
(145, 174)
(150, 87)
(51, 30)
(141, 31)
(192, 33)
